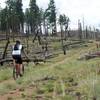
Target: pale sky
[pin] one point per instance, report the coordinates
(75, 9)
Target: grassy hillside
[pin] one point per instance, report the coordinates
(61, 78)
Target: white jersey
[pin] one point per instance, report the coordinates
(17, 52)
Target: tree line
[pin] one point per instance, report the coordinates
(33, 20)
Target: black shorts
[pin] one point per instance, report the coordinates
(17, 58)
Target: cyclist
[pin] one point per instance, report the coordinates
(17, 59)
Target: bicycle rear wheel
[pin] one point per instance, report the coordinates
(15, 74)
(22, 69)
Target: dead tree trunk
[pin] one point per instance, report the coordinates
(5, 50)
(62, 42)
(27, 39)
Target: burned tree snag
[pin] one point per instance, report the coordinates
(5, 50)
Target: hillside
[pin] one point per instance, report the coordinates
(60, 78)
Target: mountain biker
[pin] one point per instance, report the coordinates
(17, 59)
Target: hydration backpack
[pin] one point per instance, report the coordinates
(16, 47)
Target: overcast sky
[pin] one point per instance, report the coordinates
(75, 9)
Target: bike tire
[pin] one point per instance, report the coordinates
(15, 75)
(22, 69)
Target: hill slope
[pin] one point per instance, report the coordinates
(61, 78)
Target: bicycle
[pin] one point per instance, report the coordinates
(16, 73)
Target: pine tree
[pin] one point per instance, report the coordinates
(64, 23)
(27, 19)
(20, 14)
(40, 20)
(61, 21)
(15, 14)
(3, 19)
(51, 13)
(34, 12)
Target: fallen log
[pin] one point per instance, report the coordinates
(89, 56)
(92, 55)
(24, 60)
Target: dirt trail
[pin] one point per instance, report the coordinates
(10, 95)
(18, 93)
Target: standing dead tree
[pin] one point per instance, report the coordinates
(37, 35)
(5, 50)
(79, 30)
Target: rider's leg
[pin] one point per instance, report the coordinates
(17, 69)
(21, 66)
(18, 66)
